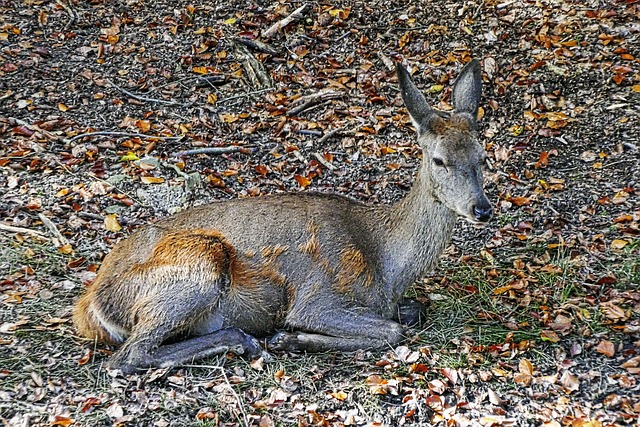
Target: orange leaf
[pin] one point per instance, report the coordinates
(61, 421)
(62, 107)
(152, 179)
(543, 161)
(340, 395)
(302, 180)
(262, 170)
(519, 201)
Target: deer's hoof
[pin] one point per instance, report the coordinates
(283, 341)
(252, 348)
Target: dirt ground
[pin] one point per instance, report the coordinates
(533, 320)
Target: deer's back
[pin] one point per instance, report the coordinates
(283, 246)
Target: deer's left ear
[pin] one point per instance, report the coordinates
(468, 89)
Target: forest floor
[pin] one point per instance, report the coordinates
(533, 319)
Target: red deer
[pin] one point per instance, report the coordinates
(321, 272)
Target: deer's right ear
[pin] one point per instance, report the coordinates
(420, 112)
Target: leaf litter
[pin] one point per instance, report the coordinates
(534, 320)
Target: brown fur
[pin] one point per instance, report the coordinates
(352, 267)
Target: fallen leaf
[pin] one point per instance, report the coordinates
(340, 395)
(111, 223)
(302, 180)
(569, 381)
(549, 336)
(618, 244)
(61, 421)
(613, 312)
(152, 179)
(606, 347)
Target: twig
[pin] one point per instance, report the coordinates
(298, 155)
(216, 150)
(12, 229)
(386, 61)
(323, 161)
(175, 168)
(309, 101)
(309, 132)
(228, 383)
(59, 239)
(327, 136)
(133, 135)
(254, 69)
(296, 14)
(70, 12)
(91, 215)
(257, 45)
(608, 165)
(212, 80)
(144, 98)
(255, 92)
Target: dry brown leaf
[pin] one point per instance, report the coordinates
(613, 312)
(549, 336)
(569, 381)
(606, 347)
(525, 367)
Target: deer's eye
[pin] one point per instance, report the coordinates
(438, 162)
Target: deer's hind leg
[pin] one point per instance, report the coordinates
(179, 291)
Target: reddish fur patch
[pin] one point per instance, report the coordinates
(442, 125)
(352, 267)
(84, 322)
(189, 247)
(245, 275)
(311, 246)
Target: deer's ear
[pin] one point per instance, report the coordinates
(420, 112)
(468, 89)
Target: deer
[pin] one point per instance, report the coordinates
(304, 272)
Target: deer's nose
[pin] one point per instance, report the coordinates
(482, 213)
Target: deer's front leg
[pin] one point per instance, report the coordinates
(410, 312)
(338, 330)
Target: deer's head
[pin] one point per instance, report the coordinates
(452, 157)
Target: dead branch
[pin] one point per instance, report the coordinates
(216, 150)
(323, 161)
(58, 238)
(386, 61)
(309, 101)
(72, 14)
(327, 136)
(296, 14)
(12, 229)
(254, 69)
(257, 45)
(144, 98)
(130, 134)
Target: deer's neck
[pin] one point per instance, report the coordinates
(418, 231)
